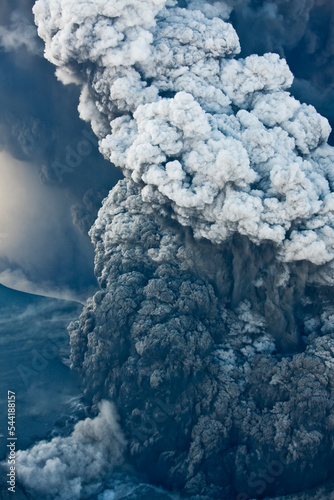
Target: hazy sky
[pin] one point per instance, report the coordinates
(50, 193)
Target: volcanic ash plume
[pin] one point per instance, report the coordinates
(212, 329)
(74, 467)
(214, 139)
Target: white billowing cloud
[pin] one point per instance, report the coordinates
(217, 139)
(125, 39)
(69, 468)
(241, 79)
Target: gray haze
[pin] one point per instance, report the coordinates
(49, 197)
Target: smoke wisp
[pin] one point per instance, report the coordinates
(73, 467)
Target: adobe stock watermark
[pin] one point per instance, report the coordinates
(75, 156)
(11, 445)
(259, 481)
(39, 359)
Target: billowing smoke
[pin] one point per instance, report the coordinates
(213, 355)
(212, 329)
(227, 150)
(73, 467)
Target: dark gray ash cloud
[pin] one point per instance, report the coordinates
(211, 354)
